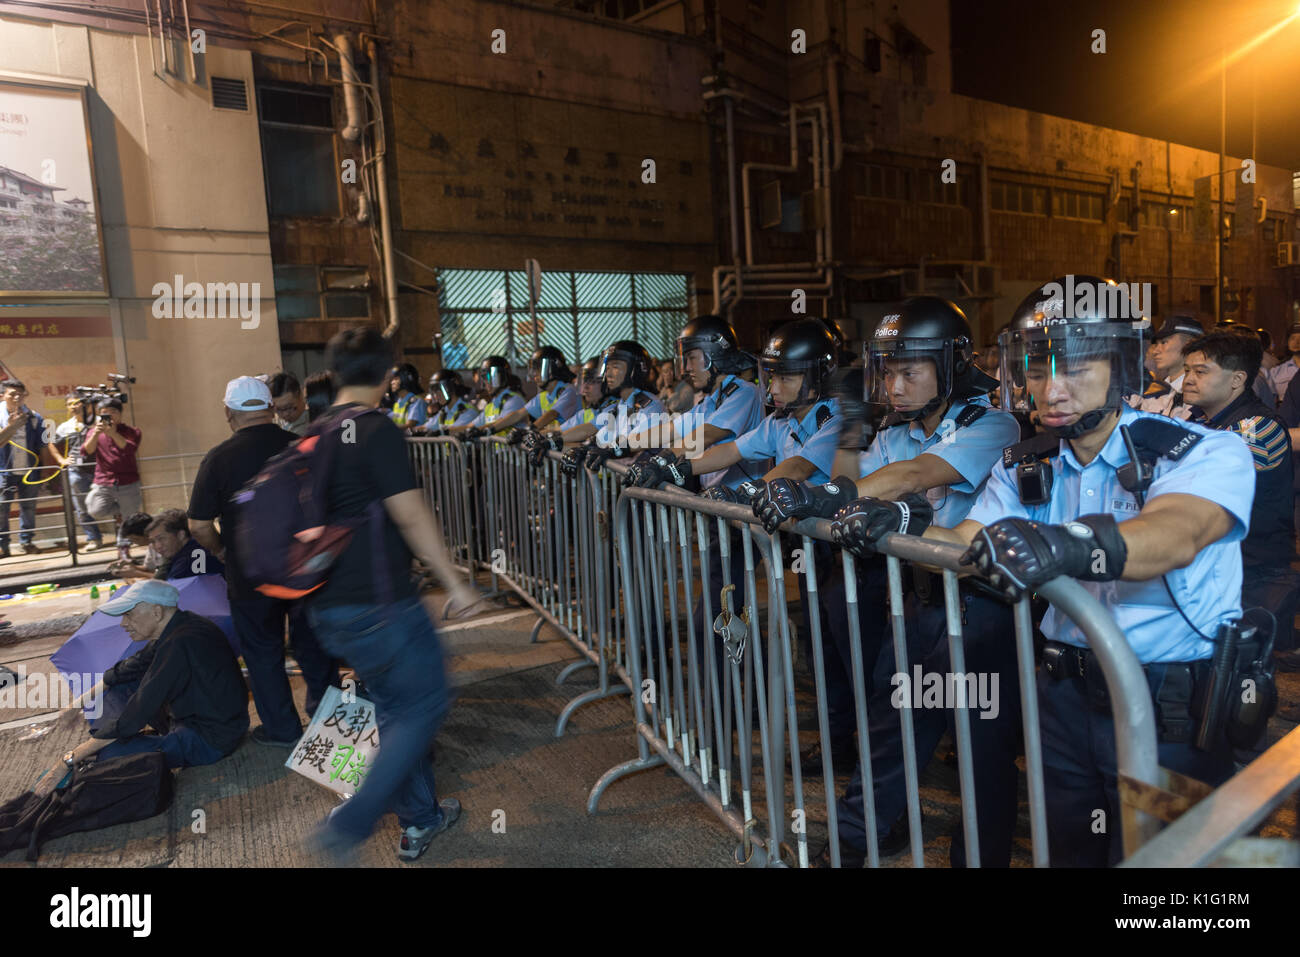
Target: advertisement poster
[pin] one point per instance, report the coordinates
(49, 226)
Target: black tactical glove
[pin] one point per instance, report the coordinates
(742, 494)
(473, 433)
(537, 444)
(1016, 555)
(662, 467)
(789, 498)
(860, 524)
(572, 460)
(598, 455)
(633, 474)
(516, 435)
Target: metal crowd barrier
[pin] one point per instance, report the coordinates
(618, 572)
(688, 697)
(16, 489)
(541, 534)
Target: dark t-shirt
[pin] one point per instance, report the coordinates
(371, 469)
(225, 470)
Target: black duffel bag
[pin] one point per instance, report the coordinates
(99, 794)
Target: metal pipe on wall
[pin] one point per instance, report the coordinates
(381, 178)
(351, 97)
(771, 167)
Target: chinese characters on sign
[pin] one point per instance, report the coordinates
(340, 745)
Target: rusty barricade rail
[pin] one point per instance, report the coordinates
(693, 686)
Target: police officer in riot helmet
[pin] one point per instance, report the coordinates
(449, 402)
(627, 373)
(555, 401)
(1146, 512)
(495, 382)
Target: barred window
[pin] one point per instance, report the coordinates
(1074, 204)
(580, 313)
(1011, 197)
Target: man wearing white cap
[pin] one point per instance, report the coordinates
(185, 685)
(259, 620)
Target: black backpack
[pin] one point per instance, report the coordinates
(100, 794)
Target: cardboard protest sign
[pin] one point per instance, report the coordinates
(340, 745)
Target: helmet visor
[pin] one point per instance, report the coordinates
(785, 383)
(444, 392)
(1069, 369)
(906, 375)
(684, 363)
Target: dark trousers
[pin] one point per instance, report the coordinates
(1277, 589)
(398, 656)
(183, 747)
(26, 498)
(80, 480)
(1083, 812)
(260, 626)
(990, 650)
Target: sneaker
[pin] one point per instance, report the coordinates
(4, 551)
(31, 548)
(90, 546)
(415, 840)
(260, 736)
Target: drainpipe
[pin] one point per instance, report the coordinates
(351, 96)
(381, 179)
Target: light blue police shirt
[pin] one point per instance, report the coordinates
(735, 406)
(972, 450)
(563, 399)
(620, 419)
(784, 438)
(513, 404)
(1218, 468)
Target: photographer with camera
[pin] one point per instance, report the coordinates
(79, 464)
(22, 441)
(115, 491)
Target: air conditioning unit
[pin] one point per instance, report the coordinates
(1288, 254)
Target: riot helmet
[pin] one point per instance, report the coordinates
(638, 361)
(445, 387)
(923, 328)
(493, 375)
(716, 339)
(548, 365)
(803, 347)
(407, 376)
(1057, 335)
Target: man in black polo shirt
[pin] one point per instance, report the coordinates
(369, 612)
(185, 684)
(258, 619)
(1220, 369)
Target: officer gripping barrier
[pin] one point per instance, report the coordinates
(618, 572)
(690, 691)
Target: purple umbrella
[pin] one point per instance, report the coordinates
(102, 642)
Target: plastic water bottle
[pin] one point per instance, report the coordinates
(93, 601)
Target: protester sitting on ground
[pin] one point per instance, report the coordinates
(185, 685)
(133, 527)
(319, 390)
(181, 555)
(289, 404)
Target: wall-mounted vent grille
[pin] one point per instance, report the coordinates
(229, 94)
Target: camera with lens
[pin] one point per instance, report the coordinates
(95, 394)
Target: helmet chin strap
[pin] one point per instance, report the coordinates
(1086, 423)
(924, 411)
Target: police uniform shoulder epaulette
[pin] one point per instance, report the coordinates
(727, 389)
(969, 415)
(1042, 445)
(824, 414)
(641, 399)
(1163, 437)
